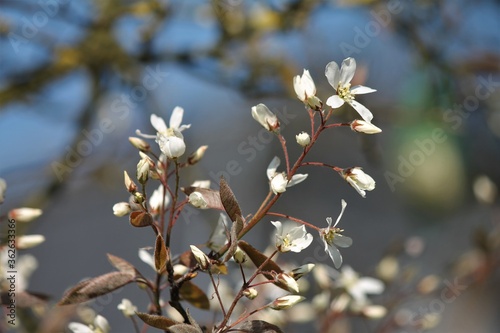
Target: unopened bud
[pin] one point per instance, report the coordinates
(121, 208)
(428, 284)
(197, 200)
(143, 171)
(239, 256)
(139, 144)
(374, 311)
(24, 214)
(265, 117)
(197, 155)
(250, 293)
(362, 126)
(299, 272)
(200, 257)
(288, 281)
(129, 184)
(286, 302)
(138, 197)
(29, 241)
(303, 139)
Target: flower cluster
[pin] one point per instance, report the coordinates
(260, 274)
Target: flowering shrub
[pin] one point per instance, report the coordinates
(265, 291)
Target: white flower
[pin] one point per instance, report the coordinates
(24, 214)
(121, 208)
(362, 126)
(359, 180)
(340, 80)
(155, 201)
(265, 117)
(332, 237)
(304, 86)
(290, 238)
(358, 287)
(127, 308)
(303, 139)
(169, 139)
(197, 200)
(279, 180)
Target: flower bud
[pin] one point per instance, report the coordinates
(239, 256)
(265, 117)
(200, 257)
(299, 272)
(303, 139)
(129, 184)
(197, 200)
(143, 171)
(139, 144)
(250, 293)
(29, 241)
(285, 302)
(197, 155)
(362, 126)
(121, 208)
(138, 197)
(374, 311)
(359, 180)
(3, 188)
(24, 214)
(288, 281)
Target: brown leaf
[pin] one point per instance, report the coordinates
(259, 326)
(122, 265)
(160, 254)
(235, 230)
(212, 197)
(229, 201)
(184, 328)
(140, 219)
(258, 259)
(194, 295)
(95, 287)
(187, 259)
(156, 321)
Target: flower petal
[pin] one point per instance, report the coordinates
(362, 110)
(370, 285)
(158, 123)
(176, 117)
(335, 255)
(357, 90)
(271, 169)
(342, 241)
(332, 74)
(298, 178)
(335, 101)
(347, 70)
(278, 226)
(356, 187)
(344, 205)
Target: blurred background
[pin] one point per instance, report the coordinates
(77, 78)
